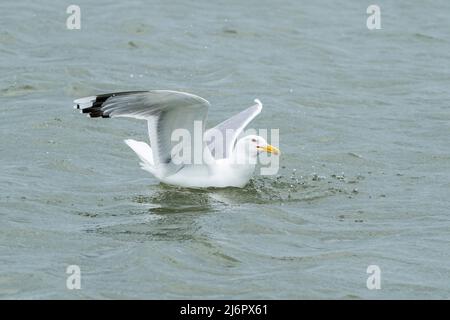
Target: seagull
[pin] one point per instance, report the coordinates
(228, 162)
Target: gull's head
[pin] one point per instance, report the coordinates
(253, 145)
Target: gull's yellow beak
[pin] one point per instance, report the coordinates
(270, 149)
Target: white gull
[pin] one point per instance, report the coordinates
(166, 111)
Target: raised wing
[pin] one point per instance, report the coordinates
(164, 110)
(229, 131)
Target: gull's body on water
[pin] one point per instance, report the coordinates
(167, 111)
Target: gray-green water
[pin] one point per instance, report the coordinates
(364, 130)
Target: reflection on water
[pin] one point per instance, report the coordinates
(172, 200)
(172, 213)
(172, 216)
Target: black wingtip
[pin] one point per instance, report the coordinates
(93, 105)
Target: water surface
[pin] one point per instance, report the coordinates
(364, 133)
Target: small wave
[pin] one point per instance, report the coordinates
(17, 90)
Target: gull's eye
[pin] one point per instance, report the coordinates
(253, 140)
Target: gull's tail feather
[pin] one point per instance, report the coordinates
(144, 153)
(93, 105)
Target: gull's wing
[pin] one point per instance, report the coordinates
(230, 130)
(164, 110)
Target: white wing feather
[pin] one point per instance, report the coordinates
(230, 130)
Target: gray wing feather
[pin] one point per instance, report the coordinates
(164, 110)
